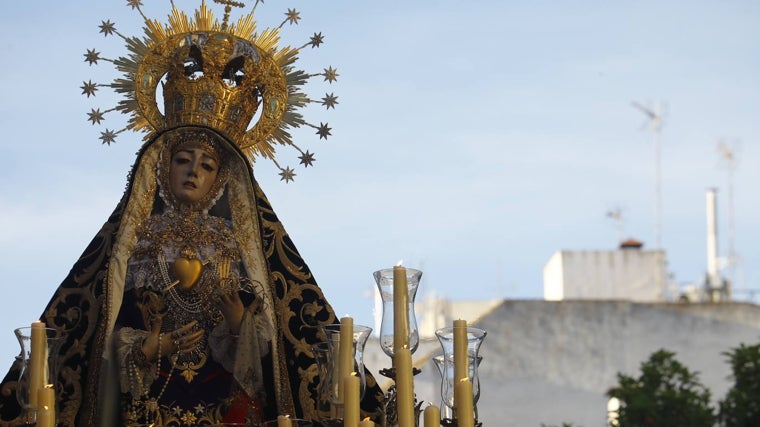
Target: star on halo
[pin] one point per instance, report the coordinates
(92, 56)
(307, 159)
(324, 131)
(331, 74)
(89, 88)
(292, 16)
(108, 136)
(107, 27)
(287, 174)
(317, 39)
(329, 101)
(135, 4)
(96, 116)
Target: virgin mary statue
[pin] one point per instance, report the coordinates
(191, 306)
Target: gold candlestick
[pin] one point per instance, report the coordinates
(463, 403)
(432, 416)
(405, 387)
(460, 350)
(37, 365)
(400, 308)
(351, 406)
(345, 354)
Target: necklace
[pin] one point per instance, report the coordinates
(171, 241)
(173, 229)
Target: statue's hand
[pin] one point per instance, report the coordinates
(182, 339)
(232, 309)
(150, 344)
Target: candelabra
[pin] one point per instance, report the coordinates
(327, 355)
(446, 370)
(37, 370)
(399, 339)
(398, 330)
(446, 367)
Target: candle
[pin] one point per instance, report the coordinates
(345, 353)
(46, 406)
(283, 421)
(463, 403)
(351, 406)
(460, 350)
(400, 308)
(367, 423)
(404, 387)
(37, 365)
(432, 416)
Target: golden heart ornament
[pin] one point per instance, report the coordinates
(187, 271)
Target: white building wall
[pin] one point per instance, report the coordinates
(436, 312)
(626, 274)
(550, 363)
(554, 278)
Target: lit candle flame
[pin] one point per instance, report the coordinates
(400, 263)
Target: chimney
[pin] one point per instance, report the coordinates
(631, 243)
(713, 280)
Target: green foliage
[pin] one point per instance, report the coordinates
(666, 394)
(741, 405)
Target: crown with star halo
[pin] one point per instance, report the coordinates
(214, 74)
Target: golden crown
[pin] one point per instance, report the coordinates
(215, 74)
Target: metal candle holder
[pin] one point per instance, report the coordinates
(391, 407)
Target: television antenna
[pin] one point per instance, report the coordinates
(617, 215)
(727, 152)
(655, 122)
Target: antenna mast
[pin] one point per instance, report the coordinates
(728, 155)
(655, 121)
(617, 215)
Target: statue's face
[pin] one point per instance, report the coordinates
(192, 173)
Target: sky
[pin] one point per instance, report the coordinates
(471, 140)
